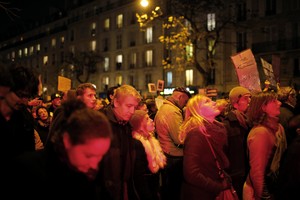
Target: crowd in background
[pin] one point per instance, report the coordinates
(182, 146)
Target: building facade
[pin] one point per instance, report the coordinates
(128, 55)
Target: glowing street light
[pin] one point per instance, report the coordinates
(144, 3)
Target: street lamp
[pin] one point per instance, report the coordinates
(146, 17)
(144, 3)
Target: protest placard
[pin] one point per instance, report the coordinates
(268, 70)
(246, 70)
(64, 84)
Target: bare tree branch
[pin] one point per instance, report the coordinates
(10, 11)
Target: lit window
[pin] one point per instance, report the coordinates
(119, 79)
(149, 35)
(25, 51)
(93, 45)
(20, 53)
(38, 47)
(62, 40)
(149, 58)
(189, 77)
(106, 24)
(120, 21)
(13, 55)
(72, 49)
(169, 78)
(94, 25)
(189, 51)
(106, 64)
(105, 80)
(93, 29)
(132, 60)
(31, 50)
(53, 42)
(211, 43)
(119, 60)
(45, 60)
(211, 21)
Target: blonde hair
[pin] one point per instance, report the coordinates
(126, 90)
(193, 119)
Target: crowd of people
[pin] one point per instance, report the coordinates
(78, 146)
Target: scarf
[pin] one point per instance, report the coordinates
(155, 156)
(280, 141)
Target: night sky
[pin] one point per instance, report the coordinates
(26, 14)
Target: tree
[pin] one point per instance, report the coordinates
(11, 12)
(206, 20)
(186, 25)
(82, 64)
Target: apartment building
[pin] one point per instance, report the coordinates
(128, 55)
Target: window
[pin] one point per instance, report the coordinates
(120, 21)
(119, 41)
(106, 64)
(119, 79)
(241, 41)
(13, 55)
(148, 79)
(31, 49)
(106, 24)
(20, 53)
(53, 59)
(105, 80)
(62, 57)
(45, 60)
(93, 45)
(211, 43)
(132, 39)
(93, 29)
(189, 51)
(169, 79)
(211, 21)
(119, 60)
(133, 18)
(25, 51)
(132, 60)
(53, 42)
(62, 41)
(105, 44)
(72, 35)
(149, 58)
(38, 48)
(149, 35)
(241, 11)
(270, 7)
(72, 50)
(189, 77)
(131, 80)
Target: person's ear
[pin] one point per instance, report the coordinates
(116, 103)
(66, 140)
(235, 105)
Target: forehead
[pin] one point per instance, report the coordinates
(129, 100)
(88, 91)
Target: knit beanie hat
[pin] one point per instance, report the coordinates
(137, 118)
(236, 93)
